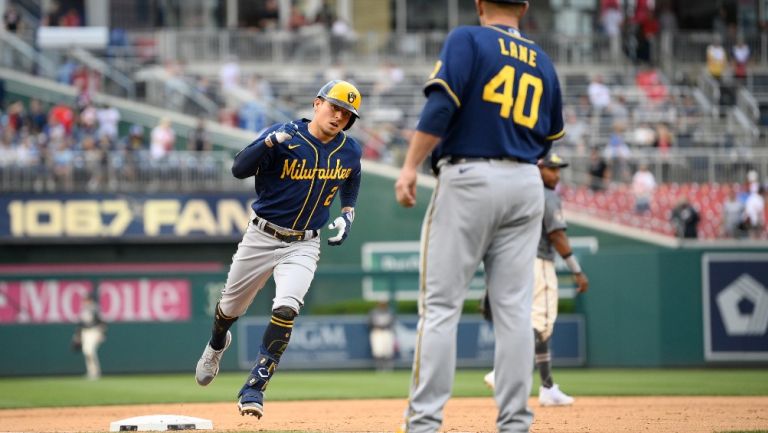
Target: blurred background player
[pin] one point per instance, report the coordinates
(545, 295)
(293, 164)
(92, 333)
(381, 320)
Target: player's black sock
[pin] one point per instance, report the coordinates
(277, 334)
(221, 325)
(543, 360)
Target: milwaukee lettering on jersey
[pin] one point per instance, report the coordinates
(294, 171)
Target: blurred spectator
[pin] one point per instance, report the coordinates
(65, 72)
(162, 139)
(198, 138)
(617, 154)
(618, 110)
(267, 17)
(643, 187)
(645, 30)
(576, 132)
(204, 87)
(15, 116)
(668, 27)
(599, 94)
(229, 75)
(753, 183)
(685, 219)
(261, 88)
(754, 212)
(342, 37)
(11, 19)
(70, 19)
(62, 159)
(382, 336)
(87, 123)
(52, 14)
(108, 118)
(252, 116)
(741, 55)
(597, 170)
(717, 59)
(388, 76)
(733, 223)
(134, 141)
(37, 118)
(86, 84)
(91, 166)
(64, 117)
(296, 19)
(649, 81)
(664, 138)
(611, 19)
(128, 155)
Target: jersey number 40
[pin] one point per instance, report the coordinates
(499, 90)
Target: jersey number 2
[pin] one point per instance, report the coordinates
(329, 199)
(505, 81)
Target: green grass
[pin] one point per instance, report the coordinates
(294, 385)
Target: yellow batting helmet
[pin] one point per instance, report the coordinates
(342, 94)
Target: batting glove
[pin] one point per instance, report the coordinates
(343, 224)
(281, 135)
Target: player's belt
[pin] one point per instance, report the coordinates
(282, 233)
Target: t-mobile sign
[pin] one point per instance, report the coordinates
(126, 300)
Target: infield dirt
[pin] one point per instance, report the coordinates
(589, 414)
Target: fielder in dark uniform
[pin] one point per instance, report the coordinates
(299, 168)
(493, 108)
(545, 292)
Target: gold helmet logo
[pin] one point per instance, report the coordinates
(351, 96)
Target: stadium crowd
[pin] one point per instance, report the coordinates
(613, 120)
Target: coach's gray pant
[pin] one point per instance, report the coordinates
(489, 212)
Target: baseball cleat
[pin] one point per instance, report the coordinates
(554, 397)
(252, 408)
(208, 365)
(251, 402)
(489, 379)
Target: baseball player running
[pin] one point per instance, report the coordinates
(493, 108)
(299, 168)
(545, 292)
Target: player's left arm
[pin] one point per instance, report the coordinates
(348, 192)
(559, 241)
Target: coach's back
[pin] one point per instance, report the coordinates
(506, 92)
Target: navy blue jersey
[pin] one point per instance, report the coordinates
(506, 92)
(296, 181)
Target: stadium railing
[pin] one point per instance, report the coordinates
(279, 46)
(121, 171)
(702, 165)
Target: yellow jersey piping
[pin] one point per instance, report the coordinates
(325, 181)
(311, 185)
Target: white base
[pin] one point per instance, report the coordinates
(161, 423)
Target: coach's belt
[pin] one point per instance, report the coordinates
(464, 159)
(284, 234)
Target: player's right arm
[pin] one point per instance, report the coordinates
(559, 241)
(247, 160)
(421, 145)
